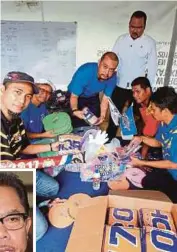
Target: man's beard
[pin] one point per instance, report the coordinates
(13, 115)
(134, 36)
(100, 78)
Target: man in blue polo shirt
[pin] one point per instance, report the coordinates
(164, 109)
(32, 116)
(88, 81)
(162, 174)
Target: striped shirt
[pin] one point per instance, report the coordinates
(13, 138)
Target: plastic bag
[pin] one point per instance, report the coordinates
(111, 147)
(94, 144)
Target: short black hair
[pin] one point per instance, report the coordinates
(10, 179)
(142, 81)
(165, 97)
(111, 55)
(139, 14)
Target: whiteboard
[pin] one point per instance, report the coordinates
(41, 49)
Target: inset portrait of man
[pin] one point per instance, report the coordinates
(15, 220)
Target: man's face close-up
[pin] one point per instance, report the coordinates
(157, 113)
(14, 230)
(16, 96)
(136, 27)
(140, 94)
(44, 94)
(106, 68)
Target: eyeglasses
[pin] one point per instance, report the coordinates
(14, 221)
(43, 91)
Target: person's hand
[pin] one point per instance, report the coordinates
(137, 139)
(56, 201)
(48, 134)
(54, 146)
(136, 162)
(100, 138)
(79, 114)
(100, 120)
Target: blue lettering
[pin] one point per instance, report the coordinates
(76, 144)
(159, 214)
(160, 218)
(170, 245)
(156, 221)
(61, 147)
(118, 216)
(114, 236)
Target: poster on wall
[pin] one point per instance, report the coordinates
(162, 58)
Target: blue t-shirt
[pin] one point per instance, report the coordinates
(167, 135)
(85, 82)
(32, 117)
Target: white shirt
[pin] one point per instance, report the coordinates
(137, 58)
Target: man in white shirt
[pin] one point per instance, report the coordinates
(137, 57)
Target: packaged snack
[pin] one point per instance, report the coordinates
(122, 217)
(158, 240)
(156, 218)
(89, 117)
(69, 144)
(121, 239)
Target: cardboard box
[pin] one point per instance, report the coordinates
(143, 194)
(88, 229)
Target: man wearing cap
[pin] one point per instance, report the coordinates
(32, 116)
(16, 93)
(88, 81)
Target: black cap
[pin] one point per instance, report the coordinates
(14, 77)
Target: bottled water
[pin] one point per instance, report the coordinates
(96, 180)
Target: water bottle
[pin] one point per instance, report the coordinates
(96, 180)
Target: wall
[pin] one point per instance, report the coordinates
(99, 23)
(27, 178)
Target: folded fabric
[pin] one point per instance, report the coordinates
(59, 123)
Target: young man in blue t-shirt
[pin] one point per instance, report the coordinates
(163, 175)
(32, 116)
(88, 81)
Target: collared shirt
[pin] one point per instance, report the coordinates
(137, 58)
(150, 123)
(85, 82)
(167, 135)
(32, 118)
(13, 138)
